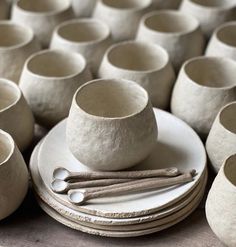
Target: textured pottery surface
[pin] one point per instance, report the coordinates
(122, 16)
(146, 64)
(4, 9)
(42, 16)
(13, 176)
(166, 4)
(221, 142)
(223, 41)
(16, 117)
(210, 13)
(49, 80)
(221, 203)
(17, 43)
(83, 8)
(198, 97)
(89, 37)
(111, 125)
(174, 31)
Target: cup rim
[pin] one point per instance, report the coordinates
(147, 71)
(25, 28)
(39, 53)
(83, 20)
(210, 8)
(16, 89)
(226, 163)
(91, 116)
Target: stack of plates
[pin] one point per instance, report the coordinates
(130, 215)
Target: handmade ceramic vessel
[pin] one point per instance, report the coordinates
(16, 117)
(166, 4)
(4, 9)
(222, 131)
(49, 81)
(111, 125)
(17, 43)
(210, 13)
(175, 31)
(13, 176)
(221, 203)
(223, 41)
(203, 87)
(42, 16)
(146, 64)
(83, 8)
(122, 16)
(89, 37)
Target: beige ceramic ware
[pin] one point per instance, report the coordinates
(17, 43)
(16, 117)
(49, 80)
(83, 8)
(203, 87)
(174, 31)
(221, 203)
(4, 9)
(166, 4)
(146, 64)
(223, 41)
(221, 142)
(111, 125)
(89, 37)
(42, 16)
(122, 16)
(210, 13)
(13, 176)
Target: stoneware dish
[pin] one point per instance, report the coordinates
(210, 13)
(89, 37)
(13, 176)
(49, 80)
(146, 64)
(198, 97)
(174, 31)
(111, 125)
(4, 10)
(221, 142)
(17, 43)
(223, 41)
(42, 16)
(221, 203)
(166, 4)
(16, 117)
(122, 16)
(83, 8)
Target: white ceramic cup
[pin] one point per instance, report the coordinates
(203, 87)
(111, 125)
(210, 13)
(223, 41)
(83, 8)
(166, 4)
(89, 37)
(174, 31)
(4, 9)
(122, 16)
(221, 203)
(17, 43)
(49, 80)
(16, 117)
(223, 132)
(13, 176)
(147, 64)
(42, 16)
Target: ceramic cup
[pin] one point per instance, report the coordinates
(222, 131)
(16, 117)
(166, 4)
(122, 16)
(203, 87)
(42, 16)
(49, 80)
(221, 203)
(4, 9)
(210, 13)
(147, 64)
(174, 31)
(13, 176)
(223, 41)
(17, 43)
(83, 8)
(111, 125)
(89, 37)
